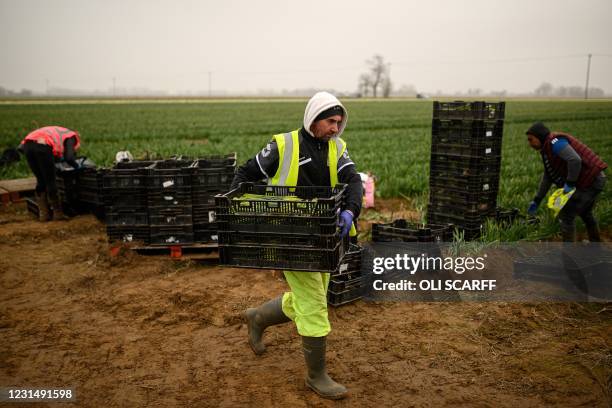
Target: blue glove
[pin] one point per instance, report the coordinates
(567, 188)
(346, 221)
(533, 207)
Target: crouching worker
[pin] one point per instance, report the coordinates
(42, 148)
(313, 155)
(569, 164)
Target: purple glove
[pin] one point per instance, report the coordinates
(345, 223)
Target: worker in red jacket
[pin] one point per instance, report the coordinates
(42, 148)
(571, 165)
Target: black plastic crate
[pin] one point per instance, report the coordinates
(466, 164)
(471, 226)
(170, 210)
(205, 233)
(128, 233)
(171, 235)
(203, 214)
(506, 216)
(170, 174)
(205, 196)
(450, 216)
(217, 161)
(276, 257)
(280, 240)
(90, 178)
(170, 219)
(298, 210)
(350, 294)
(467, 207)
(460, 209)
(348, 269)
(452, 166)
(342, 283)
(479, 110)
(215, 173)
(125, 198)
(483, 184)
(176, 197)
(213, 180)
(305, 201)
(351, 261)
(476, 150)
(456, 131)
(89, 197)
(448, 193)
(117, 216)
(67, 188)
(126, 175)
(277, 224)
(407, 231)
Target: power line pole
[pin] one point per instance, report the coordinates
(114, 86)
(47, 86)
(586, 88)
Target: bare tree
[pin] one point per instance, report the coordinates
(387, 87)
(377, 72)
(364, 84)
(377, 78)
(545, 89)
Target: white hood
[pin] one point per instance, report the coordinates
(318, 103)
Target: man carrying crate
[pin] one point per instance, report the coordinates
(311, 156)
(572, 165)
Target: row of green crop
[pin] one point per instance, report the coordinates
(391, 139)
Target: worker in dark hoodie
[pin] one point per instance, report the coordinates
(42, 148)
(313, 155)
(570, 164)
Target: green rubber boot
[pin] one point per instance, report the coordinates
(43, 207)
(317, 378)
(58, 211)
(268, 314)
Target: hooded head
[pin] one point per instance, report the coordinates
(321, 106)
(536, 135)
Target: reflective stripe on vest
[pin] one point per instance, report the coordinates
(288, 159)
(288, 162)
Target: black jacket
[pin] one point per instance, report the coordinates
(313, 169)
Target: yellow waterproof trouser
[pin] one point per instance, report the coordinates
(306, 304)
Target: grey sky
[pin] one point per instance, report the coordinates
(273, 44)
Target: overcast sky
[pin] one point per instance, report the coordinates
(274, 44)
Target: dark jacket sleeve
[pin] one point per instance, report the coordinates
(574, 164)
(545, 183)
(69, 154)
(354, 191)
(261, 167)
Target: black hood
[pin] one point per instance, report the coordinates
(538, 130)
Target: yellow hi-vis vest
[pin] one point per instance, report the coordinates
(289, 156)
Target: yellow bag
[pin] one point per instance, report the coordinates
(558, 199)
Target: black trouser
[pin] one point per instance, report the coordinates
(581, 203)
(40, 159)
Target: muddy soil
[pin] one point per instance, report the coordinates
(135, 330)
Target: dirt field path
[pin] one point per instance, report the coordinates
(149, 331)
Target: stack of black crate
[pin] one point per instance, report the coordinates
(347, 283)
(124, 193)
(170, 204)
(281, 227)
(402, 230)
(212, 175)
(465, 163)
